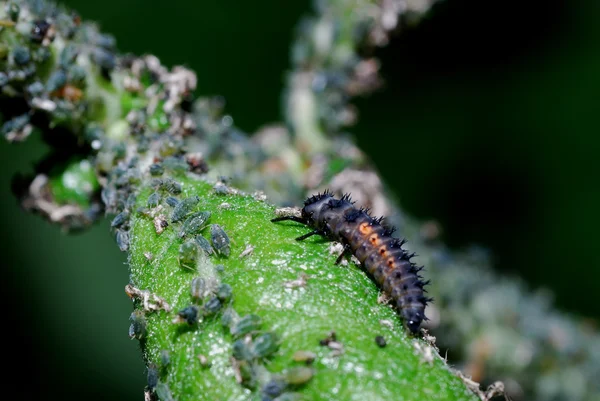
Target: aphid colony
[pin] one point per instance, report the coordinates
(381, 255)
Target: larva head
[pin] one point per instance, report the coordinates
(412, 319)
(314, 208)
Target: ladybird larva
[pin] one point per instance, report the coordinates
(373, 245)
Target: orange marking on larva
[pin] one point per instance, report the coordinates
(391, 263)
(365, 228)
(374, 239)
(382, 251)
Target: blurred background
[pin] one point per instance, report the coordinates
(488, 123)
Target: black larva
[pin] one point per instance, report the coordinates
(373, 245)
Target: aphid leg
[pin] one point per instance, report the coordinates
(293, 218)
(345, 252)
(310, 234)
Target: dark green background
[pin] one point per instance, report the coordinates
(488, 124)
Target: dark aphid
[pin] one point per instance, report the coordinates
(304, 356)
(189, 314)
(39, 30)
(373, 245)
(212, 306)
(246, 324)
(331, 337)
(120, 219)
(156, 169)
(171, 186)
(13, 10)
(220, 268)
(188, 254)
(137, 329)
(153, 200)
(219, 239)
(122, 238)
(274, 387)
(240, 351)
(298, 375)
(198, 289)
(104, 58)
(380, 341)
(264, 345)
(184, 208)
(204, 245)
(152, 376)
(172, 201)
(194, 224)
(224, 292)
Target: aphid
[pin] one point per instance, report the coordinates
(119, 219)
(194, 224)
(189, 315)
(304, 356)
(245, 325)
(122, 238)
(380, 341)
(248, 251)
(172, 201)
(164, 392)
(165, 358)
(153, 200)
(204, 245)
(176, 165)
(373, 245)
(152, 376)
(156, 169)
(21, 55)
(57, 80)
(229, 316)
(224, 292)
(219, 239)
(240, 351)
(188, 254)
(264, 345)
(183, 208)
(298, 375)
(212, 306)
(220, 268)
(204, 361)
(13, 11)
(274, 387)
(137, 329)
(198, 289)
(330, 337)
(39, 30)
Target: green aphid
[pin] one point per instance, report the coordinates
(153, 200)
(219, 239)
(163, 392)
(204, 245)
(194, 224)
(176, 164)
(184, 208)
(188, 254)
(299, 375)
(240, 351)
(229, 316)
(246, 324)
(224, 292)
(264, 345)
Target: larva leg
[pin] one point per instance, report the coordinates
(310, 234)
(345, 252)
(293, 218)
